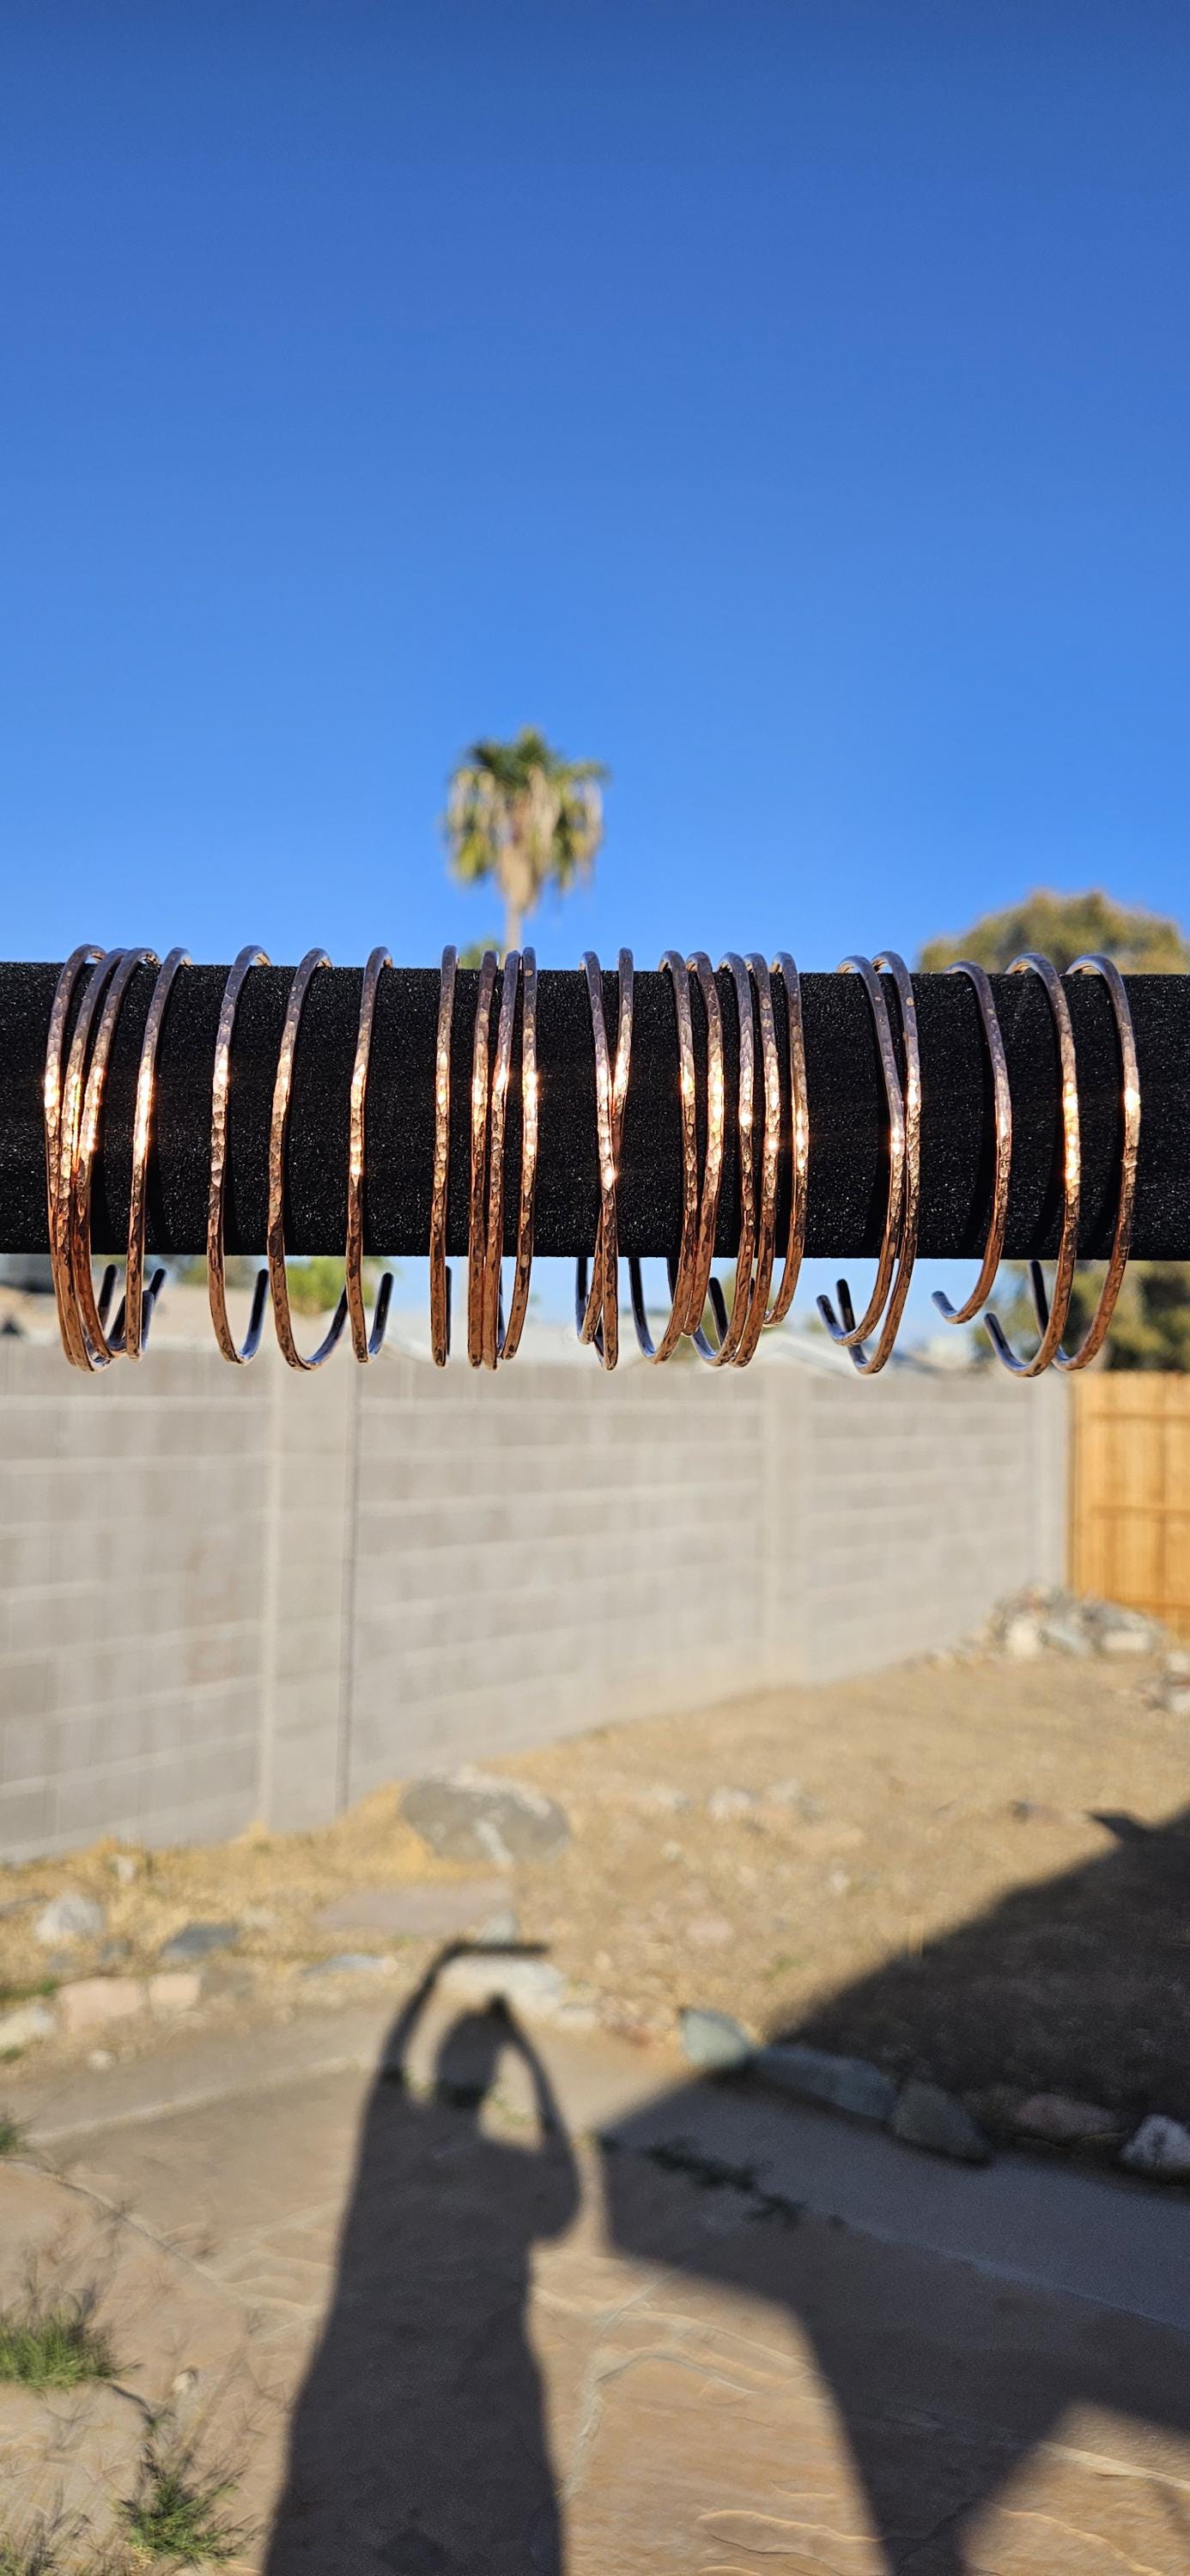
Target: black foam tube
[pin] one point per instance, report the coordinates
(847, 1123)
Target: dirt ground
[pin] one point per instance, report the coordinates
(971, 1869)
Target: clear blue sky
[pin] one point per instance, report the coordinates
(787, 403)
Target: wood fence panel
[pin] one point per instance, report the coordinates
(1130, 1514)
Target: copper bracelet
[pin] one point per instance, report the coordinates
(730, 1327)
(799, 1138)
(1097, 1330)
(681, 1268)
(278, 1133)
(1051, 1314)
(439, 1274)
(83, 1110)
(890, 963)
(501, 1340)
(764, 1254)
(364, 1342)
(993, 1250)
(238, 1354)
(847, 1332)
(480, 1111)
(139, 1303)
(597, 1313)
(59, 1131)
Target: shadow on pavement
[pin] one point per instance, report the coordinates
(950, 2347)
(944, 2376)
(418, 2442)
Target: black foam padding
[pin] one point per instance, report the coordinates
(847, 1123)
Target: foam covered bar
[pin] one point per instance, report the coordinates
(845, 1103)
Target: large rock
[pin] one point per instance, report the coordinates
(475, 1815)
(1160, 2148)
(69, 1917)
(926, 2116)
(817, 2075)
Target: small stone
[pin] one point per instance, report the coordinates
(673, 1851)
(428, 1912)
(99, 2060)
(838, 1883)
(1161, 2148)
(1065, 1637)
(1022, 1638)
(125, 1867)
(817, 2075)
(69, 1917)
(1173, 1695)
(724, 1805)
(785, 1793)
(1064, 2122)
(259, 1918)
(174, 1990)
(112, 1954)
(19, 2029)
(92, 2001)
(710, 1931)
(481, 1977)
(712, 2038)
(1177, 1666)
(475, 1815)
(575, 2016)
(351, 1963)
(1117, 1631)
(926, 2116)
(198, 1941)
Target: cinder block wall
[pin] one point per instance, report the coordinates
(227, 1594)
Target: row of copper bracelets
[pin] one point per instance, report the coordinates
(699, 1312)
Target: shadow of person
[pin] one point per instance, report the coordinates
(960, 2318)
(418, 2443)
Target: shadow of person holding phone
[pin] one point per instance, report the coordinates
(419, 2441)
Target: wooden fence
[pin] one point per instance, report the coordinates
(1130, 1497)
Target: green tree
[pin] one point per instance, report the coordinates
(518, 813)
(1063, 926)
(1151, 1325)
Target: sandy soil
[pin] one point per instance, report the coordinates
(971, 1869)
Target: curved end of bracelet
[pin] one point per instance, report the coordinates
(440, 1339)
(842, 1332)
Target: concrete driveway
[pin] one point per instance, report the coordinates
(546, 2304)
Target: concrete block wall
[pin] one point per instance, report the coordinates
(229, 1594)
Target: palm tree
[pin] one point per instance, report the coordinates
(518, 812)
